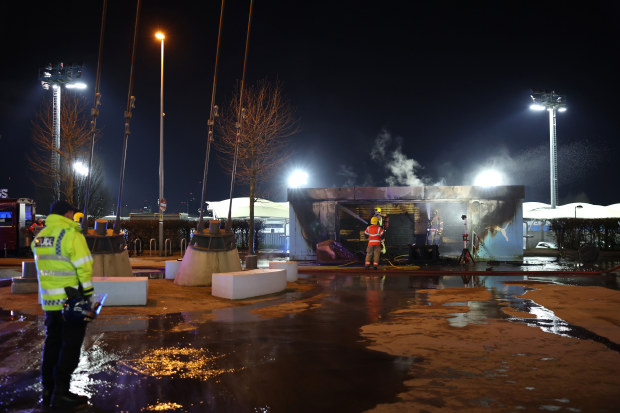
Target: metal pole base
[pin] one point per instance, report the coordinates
(208, 253)
(110, 257)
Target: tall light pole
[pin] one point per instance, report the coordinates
(552, 103)
(55, 76)
(162, 201)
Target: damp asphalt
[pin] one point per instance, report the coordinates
(243, 359)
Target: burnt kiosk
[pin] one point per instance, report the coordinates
(213, 249)
(108, 247)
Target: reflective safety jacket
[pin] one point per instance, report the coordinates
(374, 232)
(62, 259)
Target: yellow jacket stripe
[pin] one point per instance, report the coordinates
(51, 257)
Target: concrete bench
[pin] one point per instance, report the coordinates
(245, 284)
(122, 290)
(289, 266)
(21, 285)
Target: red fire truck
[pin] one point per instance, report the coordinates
(16, 216)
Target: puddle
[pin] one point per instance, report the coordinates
(310, 357)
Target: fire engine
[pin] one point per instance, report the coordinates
(16, 216)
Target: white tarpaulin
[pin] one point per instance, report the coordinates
(241, 208)
(537, 210)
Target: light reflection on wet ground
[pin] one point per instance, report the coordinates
(237, 359)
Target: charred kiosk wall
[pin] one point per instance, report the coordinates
(494, 214)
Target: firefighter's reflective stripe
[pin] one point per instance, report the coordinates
(51, 273)
(56, 291)
(51, 257)
(88, 285)
(82, 260)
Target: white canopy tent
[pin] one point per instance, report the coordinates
(241, 208)
(538, 210)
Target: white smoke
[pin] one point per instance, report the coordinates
(350, 177)
(402, 170)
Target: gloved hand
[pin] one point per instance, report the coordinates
(90, 314)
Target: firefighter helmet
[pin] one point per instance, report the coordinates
(77, 217)
(374, 221)
(378, 210)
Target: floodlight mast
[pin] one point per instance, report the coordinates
(553, 103)
(55, 76)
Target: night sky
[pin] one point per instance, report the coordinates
(400, 93)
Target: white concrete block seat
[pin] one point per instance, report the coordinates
(172, 267)
(245, 284)
(289, 266)
(122, 290)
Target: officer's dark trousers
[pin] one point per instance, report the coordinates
(61, 351)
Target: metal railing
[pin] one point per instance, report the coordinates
(135, 246)
(151, 242)
(168, 245)
(183, 246)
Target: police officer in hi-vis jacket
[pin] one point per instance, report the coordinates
(63, 260)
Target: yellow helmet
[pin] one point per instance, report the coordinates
(77, 217)
(374, 221)
(378, 210)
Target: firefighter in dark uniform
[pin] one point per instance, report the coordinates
(63, 260)
(434, 229)
(383, 222)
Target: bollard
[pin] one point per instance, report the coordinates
(251, 262)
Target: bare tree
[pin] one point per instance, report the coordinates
(75, 138)
(268, 120)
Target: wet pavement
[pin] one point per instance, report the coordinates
(248, 359)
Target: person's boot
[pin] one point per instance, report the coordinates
(63, 398)
(46, 398)
(77, 397)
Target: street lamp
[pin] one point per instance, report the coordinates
(488, 177)
(162, 201)
(80, 168)
(298, 179)
(552, 102)
(55, 76)
(578, 206)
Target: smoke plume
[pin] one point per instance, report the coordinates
(401, 169)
